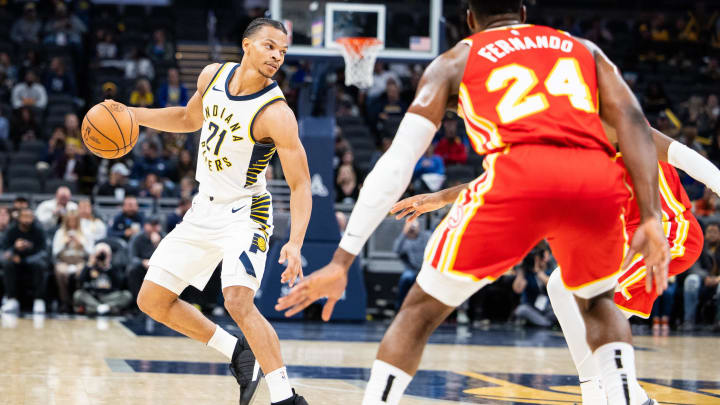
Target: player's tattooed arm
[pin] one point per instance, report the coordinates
(277, 122)
(179, 119)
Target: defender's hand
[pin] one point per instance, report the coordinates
(330, 281)
(417, 205)
(650, 241)
(291, 253)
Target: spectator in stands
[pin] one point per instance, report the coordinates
(177, 215)
(655, 99)
(160, 49)
(29, 93)
(142, 95)
(429, 163)
(106, 47)
(139, 65)
(703, 282)
(66, 165)
(172, 92)
(174, 143)
(117, 184)
(70, 247)
(72, 126)
(4, 221)
(153, 188)
(390, 105)
(410, 248)
(50, 212)
(451, 148)
(4, 130)
(185, 165)
(142, 247)
(666, 126)
(10, 70)
(385, 143)
(188, 187)
(530, 283)
(64, 28)
(92, 227)
(341, 146)
(662, 309)
(56, 146)
(58, 80)
(346, 180)
(100, 285)
(707, 205)
(128, 222)
(381, 75)
(19, 203)
(711, 69)
(25, 126)
(109, 91)
(150, 162)
(24, 263)
(27, 28)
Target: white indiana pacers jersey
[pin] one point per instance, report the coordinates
(231, 164)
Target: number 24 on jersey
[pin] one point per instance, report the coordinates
(565, 79)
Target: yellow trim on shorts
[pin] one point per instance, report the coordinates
(632, 311)
(484, 185)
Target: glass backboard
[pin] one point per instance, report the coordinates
(408, 29)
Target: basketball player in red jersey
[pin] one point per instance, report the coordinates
(532, 98)
(681, 228)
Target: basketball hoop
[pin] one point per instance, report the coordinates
(359, 54)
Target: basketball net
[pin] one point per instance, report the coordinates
(359, 54)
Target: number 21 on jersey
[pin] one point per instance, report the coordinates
(565, 79)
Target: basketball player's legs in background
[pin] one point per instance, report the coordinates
(687, 241)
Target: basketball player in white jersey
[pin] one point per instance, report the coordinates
(244, 121)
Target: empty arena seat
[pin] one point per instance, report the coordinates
(24, 185)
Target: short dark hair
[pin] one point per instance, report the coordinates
(256, 24)
(22, 199)
(484, 8)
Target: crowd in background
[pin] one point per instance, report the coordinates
(58, 58)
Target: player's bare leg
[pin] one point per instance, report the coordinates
(257, 330)
(261, 338)
(610, 338)
(402, 346)
(165, 307)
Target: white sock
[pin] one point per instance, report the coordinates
(223, 342)
(573, 327)
(387, 384)
(279, 385)
(617, 368)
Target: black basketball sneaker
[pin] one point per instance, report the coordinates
(246, 371)
(293, 400)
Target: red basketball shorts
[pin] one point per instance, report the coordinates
(686, 243)
(572, 197)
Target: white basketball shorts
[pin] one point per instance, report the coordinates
(236, 232)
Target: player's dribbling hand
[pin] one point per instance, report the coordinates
(330, 281)
(417, 205)
(290, 253)
(650, 241)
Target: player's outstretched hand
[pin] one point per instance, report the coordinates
(291, 253)
(417, 205)
(650, 241)
(330, 281)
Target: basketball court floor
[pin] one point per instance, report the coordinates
(79, 361)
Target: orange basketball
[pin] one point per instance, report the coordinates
(110, 130)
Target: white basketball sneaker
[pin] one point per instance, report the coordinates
(38, 306)
(11, 305)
